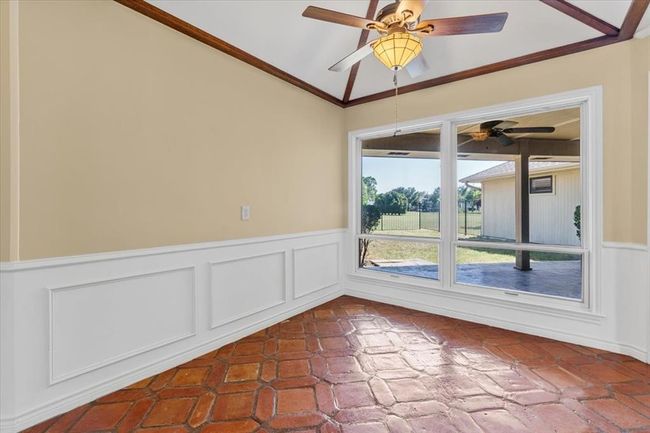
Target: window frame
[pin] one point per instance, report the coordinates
(548, 176)
(590, 102)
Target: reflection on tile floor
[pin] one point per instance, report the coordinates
(355, 366)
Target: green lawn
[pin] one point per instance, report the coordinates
(400, 250)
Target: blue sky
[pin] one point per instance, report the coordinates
(422, 174)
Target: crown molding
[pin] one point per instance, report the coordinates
(493, 67)
(612, 35)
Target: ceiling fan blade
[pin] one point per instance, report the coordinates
(339, 18)
(417, 66)
(504, 139)
(488, 23)
(413, 8)
(541, 129)
(353, 58)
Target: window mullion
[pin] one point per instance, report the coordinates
(447, 197)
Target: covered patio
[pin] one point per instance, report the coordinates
(561, 278)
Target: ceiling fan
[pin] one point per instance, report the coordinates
(499, 128)
(400, 29)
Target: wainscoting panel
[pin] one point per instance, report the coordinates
(73, 329)
(316, 268)
(245, 286)
(102, 322)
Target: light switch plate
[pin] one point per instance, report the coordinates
(245, 212)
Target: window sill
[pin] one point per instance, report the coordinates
(498, 297)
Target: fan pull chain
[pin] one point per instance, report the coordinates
(395, 84)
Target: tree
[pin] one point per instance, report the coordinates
(431, 202)
(368, 190)
(471, 196)
(370, 217)
(392, 202)
(413, 196)
(576, 221)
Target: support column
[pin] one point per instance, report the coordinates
(522, 206)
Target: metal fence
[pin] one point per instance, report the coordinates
(412, 220)
(469, 222)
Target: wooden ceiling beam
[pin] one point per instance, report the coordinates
(424, 142)
(417, 141)
(632, 19)
(583, 16)
(363, 39)
(535, 146)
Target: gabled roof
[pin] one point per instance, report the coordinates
(507, 169)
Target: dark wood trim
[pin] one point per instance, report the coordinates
(493, 67)
(202, 36)
(363, 39)
(632, 19)
(583, 16)
(630, 24)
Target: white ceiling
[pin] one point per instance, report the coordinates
(275, 31)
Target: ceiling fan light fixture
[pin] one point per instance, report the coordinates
(480, 136)
(397, 49)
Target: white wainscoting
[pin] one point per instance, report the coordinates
(238, 289)
(621, 326)
(310, 274)
(84, 332)
(75, 328)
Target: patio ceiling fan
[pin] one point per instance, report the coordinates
(400, 29)
(499, 128)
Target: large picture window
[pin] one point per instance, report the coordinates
(486, 204)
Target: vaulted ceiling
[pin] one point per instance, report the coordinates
(273, 36)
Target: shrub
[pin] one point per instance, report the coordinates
(576, 220)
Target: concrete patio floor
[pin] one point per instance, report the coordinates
(556, 278)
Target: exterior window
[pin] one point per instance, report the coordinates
(488, 205)
(541, 185)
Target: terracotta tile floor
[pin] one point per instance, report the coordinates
(355, 366)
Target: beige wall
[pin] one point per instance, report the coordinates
(133, 136)
(622, 69)
(5, 227)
